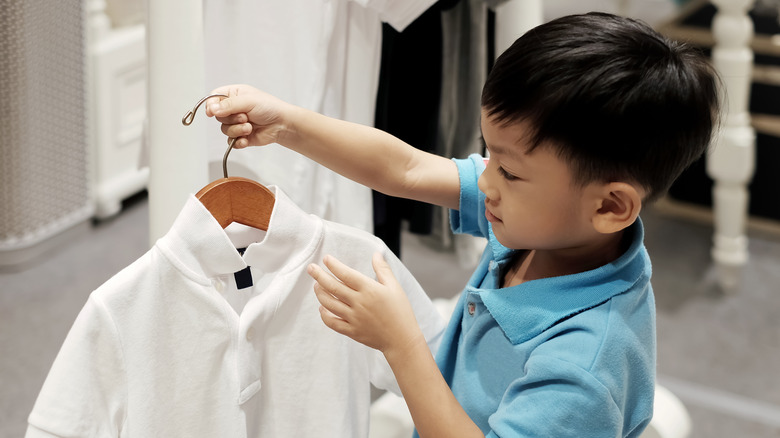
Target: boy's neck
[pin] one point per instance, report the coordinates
(536, 264)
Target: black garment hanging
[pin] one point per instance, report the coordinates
(408, 107)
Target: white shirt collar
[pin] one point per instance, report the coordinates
(201, 246)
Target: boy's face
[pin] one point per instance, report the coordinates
(532, 202)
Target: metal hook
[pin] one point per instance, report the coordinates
(190, 116)
(227, 152)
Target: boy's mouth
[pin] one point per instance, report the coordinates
(490, 216)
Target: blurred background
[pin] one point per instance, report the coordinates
(94, 163)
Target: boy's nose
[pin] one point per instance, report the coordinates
(486, 188)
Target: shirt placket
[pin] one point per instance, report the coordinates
(248, 354)
(473, 308)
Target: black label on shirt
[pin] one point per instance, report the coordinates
(244, 276)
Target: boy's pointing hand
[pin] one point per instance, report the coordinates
(374, 313)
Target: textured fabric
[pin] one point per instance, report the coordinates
(47, 186)
(565, 356)
(169, 347)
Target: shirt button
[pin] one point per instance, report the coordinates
(472, 308)
(219, 285)
(492, 265)
(250, 334)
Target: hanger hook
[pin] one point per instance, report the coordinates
(231, 142)
(190, 116)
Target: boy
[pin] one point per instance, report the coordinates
(585, 118)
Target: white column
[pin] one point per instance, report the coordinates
(514, 18)
(98, 26)
(99, 23)
(177, 154)
(731, 161)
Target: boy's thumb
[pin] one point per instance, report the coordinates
(383, 272)
(230, 106)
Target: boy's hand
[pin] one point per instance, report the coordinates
(374, 313)
(253, 116)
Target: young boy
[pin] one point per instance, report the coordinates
(585, 119)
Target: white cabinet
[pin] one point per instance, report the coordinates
(117, 85)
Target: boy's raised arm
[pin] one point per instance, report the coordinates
(363, 154)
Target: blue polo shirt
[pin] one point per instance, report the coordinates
(568, 356)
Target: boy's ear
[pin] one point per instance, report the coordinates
(618, 206)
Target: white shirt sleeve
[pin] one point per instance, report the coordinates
(85, 391)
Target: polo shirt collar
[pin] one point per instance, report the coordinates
(204, 249)
(526, 310)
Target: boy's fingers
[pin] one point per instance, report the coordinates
(329, 284)
(329, 302)
(233, 119)
(233, 131)
(344, 273)
(334, 322)
(231, 105)
(211, 102)
(383, 272)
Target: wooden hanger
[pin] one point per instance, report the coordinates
(234, 199)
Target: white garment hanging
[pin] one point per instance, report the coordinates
(322, 55)
(170, 347)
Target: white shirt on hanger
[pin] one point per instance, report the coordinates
(322, 55)
(169, 347)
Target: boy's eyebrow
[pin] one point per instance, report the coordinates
(514, 152)
(498, 149)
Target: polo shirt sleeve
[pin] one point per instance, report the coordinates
(556, 398)
(470, 216)
(85, 391)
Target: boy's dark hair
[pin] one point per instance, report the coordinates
(615, 99)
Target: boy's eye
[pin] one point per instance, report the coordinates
(507, 176)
